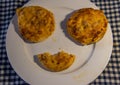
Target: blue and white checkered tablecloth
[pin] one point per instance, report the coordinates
(111, 74)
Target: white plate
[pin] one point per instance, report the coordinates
(90, 60)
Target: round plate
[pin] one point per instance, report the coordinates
(90, 60)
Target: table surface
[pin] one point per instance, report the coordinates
(110, 75)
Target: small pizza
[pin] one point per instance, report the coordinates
(35, 23)
(87, 25)
(56, 62)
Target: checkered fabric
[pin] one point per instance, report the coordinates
(7, 75)
(111, 74)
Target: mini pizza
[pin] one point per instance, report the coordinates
(35, 23)
(87, 25)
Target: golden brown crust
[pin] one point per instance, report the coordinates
(35, 23)
(87, 25)
(56, 62)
